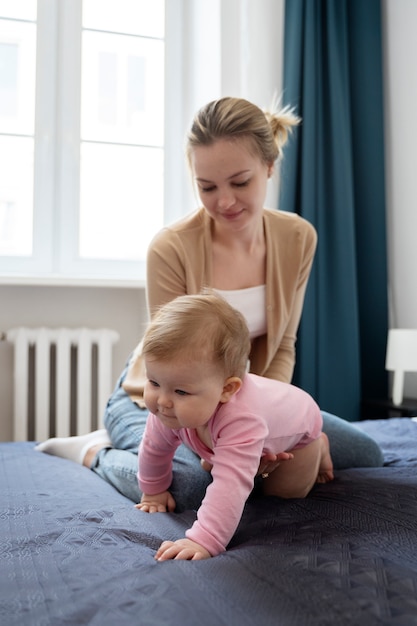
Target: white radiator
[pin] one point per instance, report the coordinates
(62, 380)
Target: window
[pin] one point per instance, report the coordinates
(95, 99)
(17, 119)
(82, 141)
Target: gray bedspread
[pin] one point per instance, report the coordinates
(74, 551)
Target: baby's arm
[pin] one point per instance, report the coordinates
(182, 549)
(156, 451)
(157, 503)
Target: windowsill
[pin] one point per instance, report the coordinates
(71, 281)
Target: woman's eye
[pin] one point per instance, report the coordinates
(244, 184)
(207, 189)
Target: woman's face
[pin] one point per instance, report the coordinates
(231, 181)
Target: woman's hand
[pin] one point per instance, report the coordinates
(268, 463)
(182, 549)
(158, 503)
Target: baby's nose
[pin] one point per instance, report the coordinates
(164, 400)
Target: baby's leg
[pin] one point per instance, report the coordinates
(295, 478)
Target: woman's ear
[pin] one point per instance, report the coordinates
(230, 387)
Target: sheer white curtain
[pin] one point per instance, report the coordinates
(226, 48)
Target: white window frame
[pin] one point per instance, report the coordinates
(57, 153)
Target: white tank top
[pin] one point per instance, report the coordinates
(251, 303)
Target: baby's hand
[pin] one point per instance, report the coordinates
(182, 549)
(158, 503)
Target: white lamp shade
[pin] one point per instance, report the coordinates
(401, 357)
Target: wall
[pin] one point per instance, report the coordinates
(400, 45)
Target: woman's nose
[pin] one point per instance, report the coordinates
(225, 200)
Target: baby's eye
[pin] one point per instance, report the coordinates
(153, 383)
(180, 392)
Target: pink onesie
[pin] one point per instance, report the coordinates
(265, 415)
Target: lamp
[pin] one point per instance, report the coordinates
(401, 356)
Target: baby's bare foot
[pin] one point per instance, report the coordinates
(325, 474)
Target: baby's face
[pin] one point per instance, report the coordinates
(182, 394)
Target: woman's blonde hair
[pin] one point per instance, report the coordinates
(236, 118)
(200, 327)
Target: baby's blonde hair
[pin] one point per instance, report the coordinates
(200, 327)
(236, 118)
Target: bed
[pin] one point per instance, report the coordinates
(75, 551)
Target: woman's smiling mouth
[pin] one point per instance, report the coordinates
(233, 215)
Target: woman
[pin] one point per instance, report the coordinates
(257, 259)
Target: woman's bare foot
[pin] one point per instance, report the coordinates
(325, 474)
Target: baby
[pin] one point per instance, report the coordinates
(198, 392)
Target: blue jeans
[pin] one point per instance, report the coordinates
(125, 423)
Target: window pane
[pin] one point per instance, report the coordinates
(19, 9)
(121, 200)
(122, 89)
(16, 196)
(17, 77)
(138, 17)
(8, 79)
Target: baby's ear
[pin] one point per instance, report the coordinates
(231, 386)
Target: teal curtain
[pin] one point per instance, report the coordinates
(333, 175)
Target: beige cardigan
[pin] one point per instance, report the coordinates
(179, 262)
